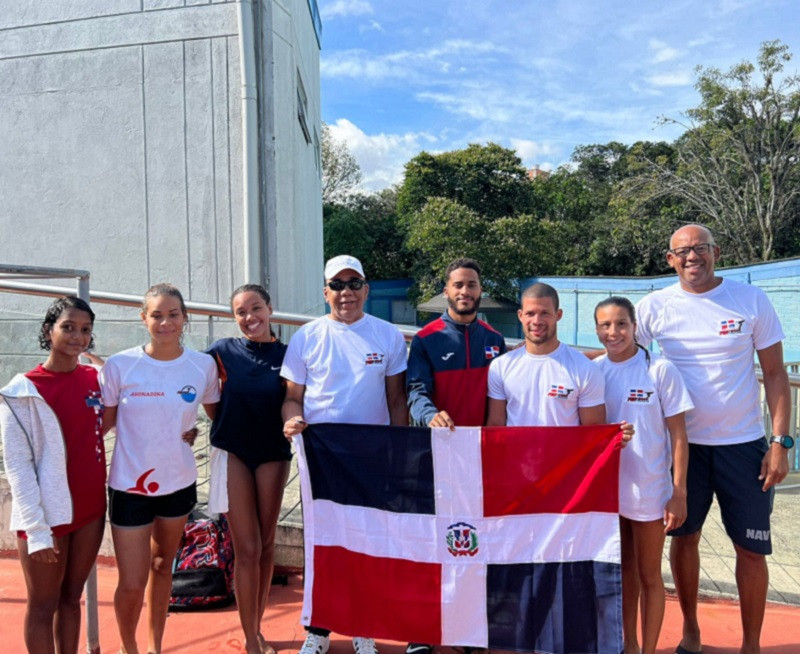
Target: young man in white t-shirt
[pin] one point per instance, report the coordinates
(546, 383)
(346, 367)
(710, 328)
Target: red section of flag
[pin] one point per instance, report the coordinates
(550, 469)
(360, 595)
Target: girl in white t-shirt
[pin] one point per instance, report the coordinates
(647, 391)
(152, 394)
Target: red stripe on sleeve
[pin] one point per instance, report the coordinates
(550, 469)
(376, 597)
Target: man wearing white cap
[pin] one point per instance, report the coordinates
(346, 367)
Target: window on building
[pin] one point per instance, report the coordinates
(302, 108)
(317, 153)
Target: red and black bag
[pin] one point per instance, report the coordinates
(202, 574)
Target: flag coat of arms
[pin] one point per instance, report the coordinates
(499, 537)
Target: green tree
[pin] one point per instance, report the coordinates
(489, 179)
(345, 232)
(737, 167)
(448, 203)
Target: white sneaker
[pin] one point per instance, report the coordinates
(364, 646)
(315, 644)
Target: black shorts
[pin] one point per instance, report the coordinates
(136, 510)
(731, 472)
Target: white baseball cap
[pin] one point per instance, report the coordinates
(340, 263)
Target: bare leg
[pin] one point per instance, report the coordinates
(43, 583)
(246, 535)
(166, 537)
(630, 588)
(132, 549)
(648, 538)
(684, 558)
(270, 481)
(84, 544)
(752, 579)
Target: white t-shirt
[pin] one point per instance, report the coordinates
(545, 390)
(158, 402)
(711, 338)
(644, 396)
(344, 368)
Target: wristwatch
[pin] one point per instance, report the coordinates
(785, 441)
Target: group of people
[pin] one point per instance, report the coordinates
(695, 410)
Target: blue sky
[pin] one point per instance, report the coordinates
(541, 77)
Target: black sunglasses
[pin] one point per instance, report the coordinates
(352, 284)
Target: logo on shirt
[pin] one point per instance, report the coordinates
(730, 327)
(462, 539)
(559, 392)
(447, 356)
(94, 402)
(638, 395)
(492, 351)
(374, 357)
(188, 393)
(147, 394)
(140, 486)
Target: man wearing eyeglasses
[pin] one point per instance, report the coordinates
(710, 327)
(346, 367)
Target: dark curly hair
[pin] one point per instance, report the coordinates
(58, 307)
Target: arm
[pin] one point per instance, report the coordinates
(396, 399)
(775, 465)
(497, 415)
(211, 410)
(109, 418)
(675, 511)
(26, 492)
(420, 384)
(292, 410)
(592, 415)
(190, 436)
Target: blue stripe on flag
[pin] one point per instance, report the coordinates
(555, 607)
(380, 467)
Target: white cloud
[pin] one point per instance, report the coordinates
(372, 26)
(404, 64)
(346, 8)
(381, 156)
(362, 66)
(674, 78)
(662, 52)
(531, 152)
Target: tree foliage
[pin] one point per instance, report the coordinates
(737, 166)
(341, 173)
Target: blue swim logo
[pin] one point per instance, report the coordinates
(188, 393)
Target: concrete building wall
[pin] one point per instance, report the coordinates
(121, 152)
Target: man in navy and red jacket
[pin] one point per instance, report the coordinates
(448, 363)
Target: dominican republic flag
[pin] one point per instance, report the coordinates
(501, 537)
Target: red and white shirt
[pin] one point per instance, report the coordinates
(157, 402)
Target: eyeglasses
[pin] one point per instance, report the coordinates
(700, 248)
(339, 284)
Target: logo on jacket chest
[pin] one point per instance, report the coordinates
(492, 351)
